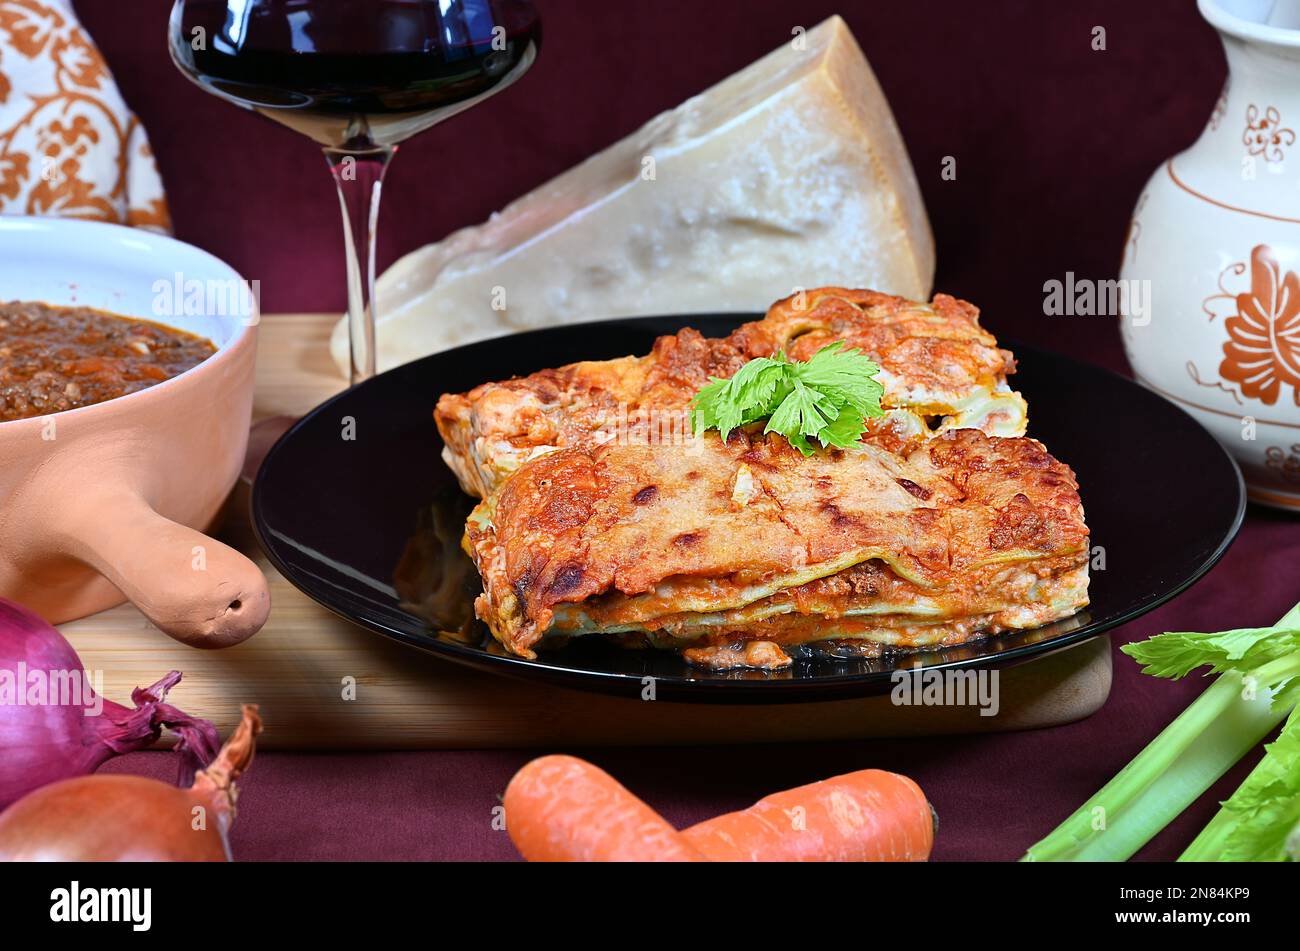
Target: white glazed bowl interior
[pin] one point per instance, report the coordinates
(122, 270)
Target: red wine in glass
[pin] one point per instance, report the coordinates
(358, 78)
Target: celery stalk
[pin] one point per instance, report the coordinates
(1208, 846)
(1250, 824)
(1177, 767)
(1165, 778)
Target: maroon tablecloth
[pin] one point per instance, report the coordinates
(1053, 140)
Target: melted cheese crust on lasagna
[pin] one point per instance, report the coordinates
(940, 371)
(709, 544)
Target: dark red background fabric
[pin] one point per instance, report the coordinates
(1053, 141)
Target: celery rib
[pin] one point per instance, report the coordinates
(1177, 766)
(1220, 727)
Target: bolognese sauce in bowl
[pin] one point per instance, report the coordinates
(60, 358)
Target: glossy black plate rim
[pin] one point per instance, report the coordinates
(714, 690)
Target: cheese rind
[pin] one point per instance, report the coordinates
(793, 166)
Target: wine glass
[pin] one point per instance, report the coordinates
(358, 78)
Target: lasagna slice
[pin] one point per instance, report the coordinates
(737, 549)
(940, 370)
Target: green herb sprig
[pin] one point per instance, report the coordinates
(828, 398)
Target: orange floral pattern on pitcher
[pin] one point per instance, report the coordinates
(1264, 134)
(68, 144)
(1262, 353)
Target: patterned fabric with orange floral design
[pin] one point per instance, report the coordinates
(1262, 353)
(69, 146)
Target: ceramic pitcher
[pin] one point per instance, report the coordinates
(1216, 233)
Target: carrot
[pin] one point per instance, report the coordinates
(867, 816)
(562, 809)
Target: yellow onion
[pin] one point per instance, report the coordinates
(132, 818)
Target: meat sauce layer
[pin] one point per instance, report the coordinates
(59, 358)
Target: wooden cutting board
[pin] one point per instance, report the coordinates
(298, 666)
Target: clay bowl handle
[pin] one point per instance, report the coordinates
(196, 589)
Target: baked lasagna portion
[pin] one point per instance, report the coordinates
(940, 370)
(731, 552)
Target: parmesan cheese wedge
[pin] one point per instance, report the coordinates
(790, 173)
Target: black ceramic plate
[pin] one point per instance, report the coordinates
(370, 526)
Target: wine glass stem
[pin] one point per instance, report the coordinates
(359, 176)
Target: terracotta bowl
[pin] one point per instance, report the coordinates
(106, 502)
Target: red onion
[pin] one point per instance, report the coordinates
(132, 818)
(53, 725)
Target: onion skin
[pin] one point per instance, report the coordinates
(82, 820)
(131, 818)
(46, 743)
